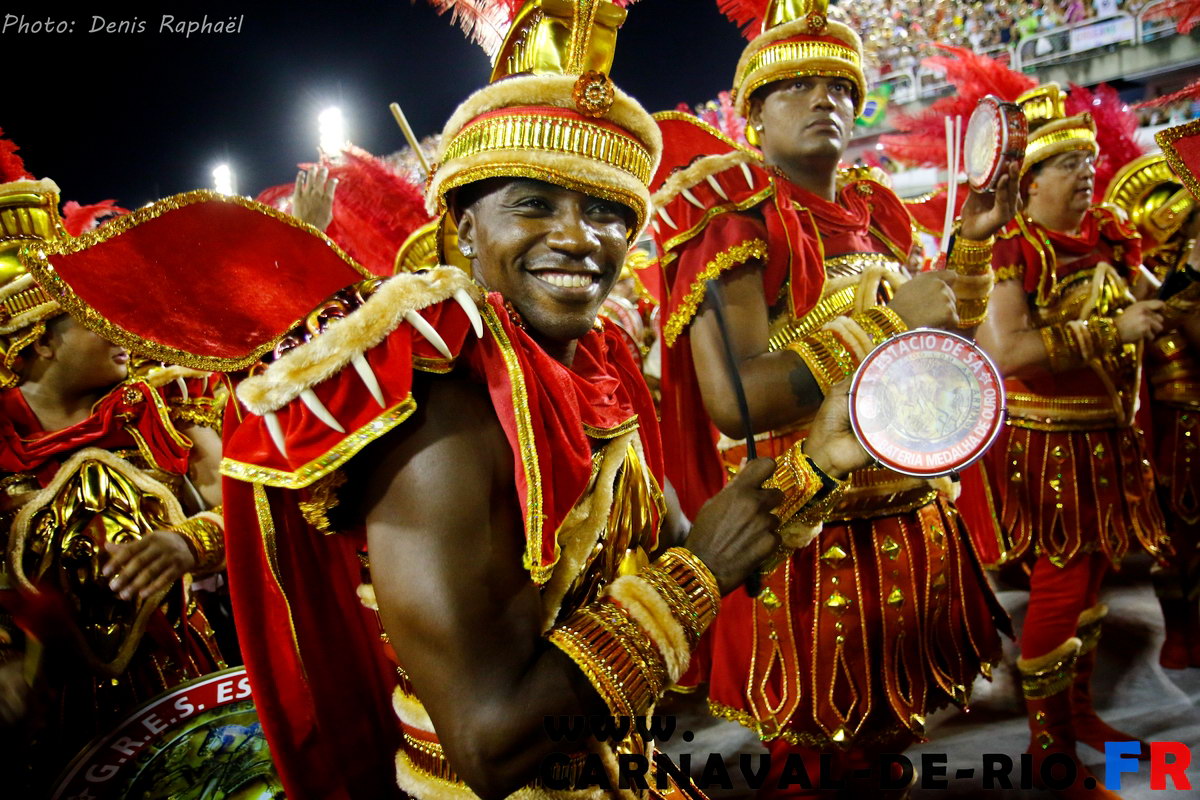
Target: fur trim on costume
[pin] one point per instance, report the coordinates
(745, 85)
(651, 612)
(409, 709)
(319, 359)
(164, 375)
(580, 530)
(695, 173)
(1064, 652)
(366, 596)
(43, 186)
(421, 785)
(799, 536)
(1090, 616)
(946, 487)
(851, 334)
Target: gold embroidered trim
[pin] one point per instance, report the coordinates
(534, 518)
(266, 528)
(440, 366)
(1016, 272)
(833, 305)
(323, 498)
(1166, 140)
(768, 732)
(780, 53)
(326, 463)
(723, 261)
(751, 201)
(552, 134)
(621, 429)
(34, 258)
(1062, 413)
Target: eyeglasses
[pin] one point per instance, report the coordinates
(1074, 163)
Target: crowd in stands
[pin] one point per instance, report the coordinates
(895, 31)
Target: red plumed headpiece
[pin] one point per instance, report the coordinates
(973, 76)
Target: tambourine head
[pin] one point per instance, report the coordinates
(927, 403)
(995, 136)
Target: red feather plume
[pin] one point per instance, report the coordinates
(720, 114)
(1189, 92)
(12, 168)
(1186, 14)
(1116, 129)
(79, 219)
(746, 14)
(923, 141)
(375, 208)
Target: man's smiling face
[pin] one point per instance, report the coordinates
(554, 253)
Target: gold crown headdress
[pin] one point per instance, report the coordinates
(795, 38)
(1153, 197)
(28, 213)
(1051, 131)
(552, 113)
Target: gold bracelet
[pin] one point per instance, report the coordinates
(970, 256)
(619, 659)
(206, 540)
(827, 358)
(796, 477)
(880, 322)
(677, 601)
(1106, 340)
(1062, 347)
(697, 581)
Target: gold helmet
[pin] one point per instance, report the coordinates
(28, 213)
(798, 39)
(552, 113)
(1051, 131)
(1153, 197)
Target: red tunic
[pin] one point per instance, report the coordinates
(886, 615)
(1069, 473)
(301, 624)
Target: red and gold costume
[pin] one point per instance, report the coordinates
(341, 716)
(886, 615)
(1069, 479)
(114, 477)
(1156, 202)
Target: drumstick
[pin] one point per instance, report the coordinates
(402, 121)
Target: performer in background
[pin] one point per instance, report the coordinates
(1165, 215)
(1069, 478)
(486, 450)
(98, 476)
(855, 639)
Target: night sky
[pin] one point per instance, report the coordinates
(138, 116)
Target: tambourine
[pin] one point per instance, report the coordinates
(996, 136)
(927, 403)
(203, 733)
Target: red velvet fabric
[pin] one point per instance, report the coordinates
(322, 679)
(26, 447)
(240, 277)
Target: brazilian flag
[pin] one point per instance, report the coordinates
(875, 107)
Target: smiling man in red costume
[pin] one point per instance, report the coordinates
(470, 459)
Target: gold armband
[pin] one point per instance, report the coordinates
(1062, 346)
(205, 534)
(880, 323)
(796, 476)
(827, 356)
(637, 639)
(971, 257)
(972, 261)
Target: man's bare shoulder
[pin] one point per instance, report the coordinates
(451, 444)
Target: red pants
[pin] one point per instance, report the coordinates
(1057, 595)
